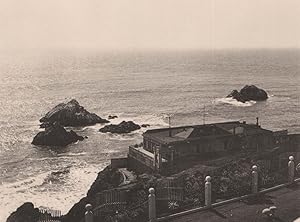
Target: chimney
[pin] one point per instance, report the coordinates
(257, 124)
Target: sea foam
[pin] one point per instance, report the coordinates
(35, 190)
(234, 102)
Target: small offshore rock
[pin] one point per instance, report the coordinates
(145, 125)
(112, 117)
(123, 127)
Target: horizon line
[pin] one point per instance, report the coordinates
(139, 49)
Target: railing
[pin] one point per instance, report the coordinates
(47, 215)
(255, 190)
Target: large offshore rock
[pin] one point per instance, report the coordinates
(71, 114)
(249, 92)
(25, 213)
(55, 135)
(123, 127)
(252, 92)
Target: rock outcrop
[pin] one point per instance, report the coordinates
(25, 213)
(237, 96)
(112, 117)
(123, 127)
(249, 92)
(71, 114)
(55, 135)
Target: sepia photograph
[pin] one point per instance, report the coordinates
(150, 111)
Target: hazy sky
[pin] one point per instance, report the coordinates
(149, 23)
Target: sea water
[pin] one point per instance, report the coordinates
(143, 86)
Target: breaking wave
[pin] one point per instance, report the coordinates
(234, 102)
(46, 189)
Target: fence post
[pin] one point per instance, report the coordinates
(89, 217)
(291, 169)
(208, 191)
(254, 179)
(152, 206)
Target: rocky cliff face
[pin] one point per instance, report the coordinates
(71, 114)
(107, 179)
(25, 213)
(56, 135)
(230, 179)
(249, 92)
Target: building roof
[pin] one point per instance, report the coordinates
(207, 131)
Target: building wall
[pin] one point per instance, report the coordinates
(149, 144)
(141, 157)
(138, 166)
(260, 142)
(198, 147)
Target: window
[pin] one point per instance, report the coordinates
(198, 148)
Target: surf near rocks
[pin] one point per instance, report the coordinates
(249, 93)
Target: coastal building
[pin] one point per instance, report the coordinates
(163, 148)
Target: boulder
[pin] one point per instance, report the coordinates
(56, 176)
(71, 114)
(252, 92)
(25, 213)
(112, 117)
(247, 93)
(236, 95)
(123, 127)
(55, 135)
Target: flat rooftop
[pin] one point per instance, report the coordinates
(146, 153)
(184, 133)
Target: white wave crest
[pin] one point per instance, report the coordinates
(54, 196)
(152, 120)
(72, 154)
(234, 102)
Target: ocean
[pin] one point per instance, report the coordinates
(143, 86)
